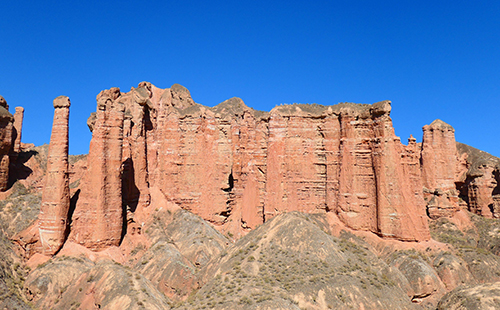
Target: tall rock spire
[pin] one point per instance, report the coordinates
(18, 125)
(97, 222)
(56, 196)
(439, 161)
(6, 128)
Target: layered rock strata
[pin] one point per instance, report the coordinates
(18, 126)
(237, 167)
(6, 131)
(439, 169)
(480, 185)
(53, 218)
(97, 220)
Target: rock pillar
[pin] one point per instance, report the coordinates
(56, 197)
(18, 125)
(400, 213)
(98, 218)
(481, 192)
(6, 128)
(439, 164)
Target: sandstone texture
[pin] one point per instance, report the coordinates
(237, 167)
(18, 126)
(484, 296)
(439, 165)
(480, 184)
(97, 220)
(53, 219)
(183, 206)
(6, 139)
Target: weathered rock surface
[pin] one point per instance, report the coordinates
(181, 244)
(237, 167)
(484, 296)
(18, 126)
(480, 186)
(423, 280)
(6, 130)
(452, 270)
(53, 219)
(75, 283)
(439, 169)
(290, 262)
(97, 221)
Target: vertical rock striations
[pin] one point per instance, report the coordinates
(18, 125)
(400, 211)
(480, 185)
(6, 137)
(98, 217)
(237, 167)
(439, 165)
(53, 219)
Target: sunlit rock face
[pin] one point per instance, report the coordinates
(6, 130)
(237, 167)
(97, 221)
(479, 185)
(53, 218)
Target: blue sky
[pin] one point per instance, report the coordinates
(432, 59)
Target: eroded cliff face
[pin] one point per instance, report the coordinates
(97, 221)
(479, 184)
(6, 128)
(439, 169)
(237, 167)
(10, 140)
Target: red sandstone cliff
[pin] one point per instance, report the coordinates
(6, 128)
(479, 185)
(10, 140)
(237, 167)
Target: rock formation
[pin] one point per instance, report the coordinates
(18, 125)
(237, 167)
(6, 128)
(439, 165)
(480, 185)
(54, 210)
(97, 221)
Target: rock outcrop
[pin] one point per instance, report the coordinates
(97, 220)
(18, 126)
(10, 142)
(480, 185)
(53, 219)
(6, 129)
(484, 296)
(237, 167)
(439, 165)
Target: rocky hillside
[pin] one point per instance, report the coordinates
(181, 206)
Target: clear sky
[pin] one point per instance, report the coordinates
(432, 59)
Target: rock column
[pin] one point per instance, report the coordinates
(6, 128)
(56, 196)
(439, 164)
(400, 213)
(98, 218)
(18, 125)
